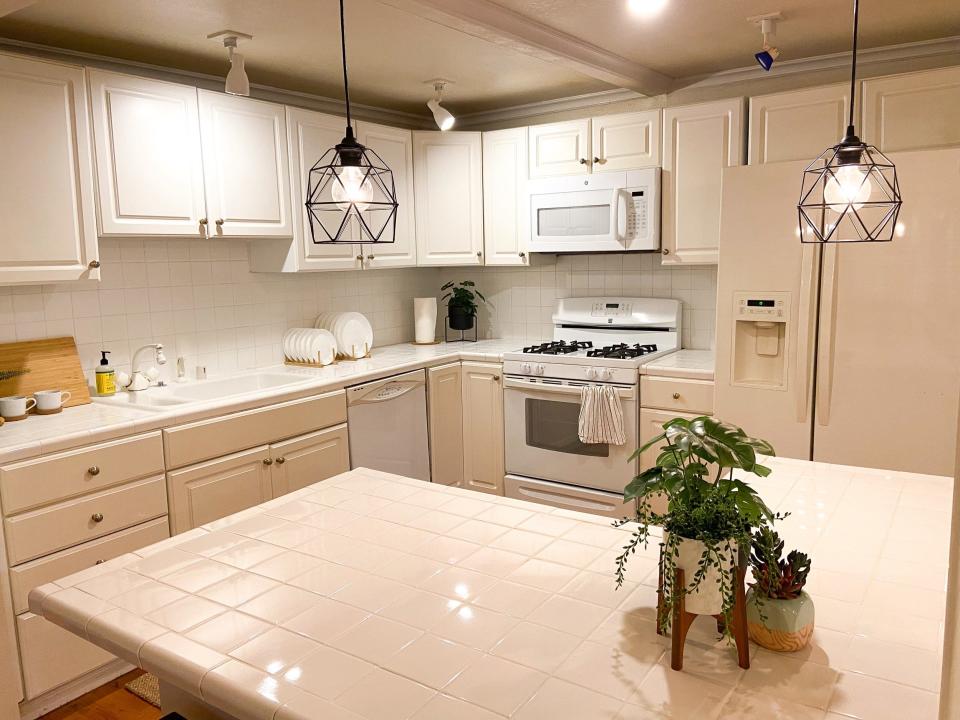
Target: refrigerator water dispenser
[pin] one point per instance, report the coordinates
(760, 338)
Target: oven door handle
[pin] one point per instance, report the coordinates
(627, 393)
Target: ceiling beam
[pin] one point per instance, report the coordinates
(502, 26)
(11, 6)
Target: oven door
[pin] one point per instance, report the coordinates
(541, 438)
(579, 221)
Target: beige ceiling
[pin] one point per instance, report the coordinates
(394, 45)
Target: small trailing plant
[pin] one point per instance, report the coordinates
(773, 577)
(462, 296)
(10, 374)
(705, 502)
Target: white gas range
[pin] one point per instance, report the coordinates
(597, 341)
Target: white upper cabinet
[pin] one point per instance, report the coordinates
(149, 164)
(915, 111)
(395, 148)
(625, 141)
(506, 215)
(560, 148)
(797, 125)
(699, 141)
(48, 231)
(245, 166)
(449, 197)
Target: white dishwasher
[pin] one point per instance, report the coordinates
(387, 420)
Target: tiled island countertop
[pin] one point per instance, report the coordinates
(692, 364)
(376, 596)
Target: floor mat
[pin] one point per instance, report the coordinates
(147, 688)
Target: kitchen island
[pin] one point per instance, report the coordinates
(375, 596)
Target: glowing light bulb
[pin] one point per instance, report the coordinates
(352, 188)
(848, 187)
(646, 8)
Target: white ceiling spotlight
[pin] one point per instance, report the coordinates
(441, 115)
(646, 8)
(237, 82)
(768, 26)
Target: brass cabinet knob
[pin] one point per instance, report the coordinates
(203, 221)
(584, 161)
(360, 258)
(93, 264)
(219, 222)
(97, 517)
(496, 378)
(666, 251)
(370, 257)
(281, 460)
(479, 253)
(93, 470)
(99, 562)
(522, 254)
(598, 161)
(676, 396)
(268, 461)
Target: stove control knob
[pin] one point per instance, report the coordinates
(591, 373)
(525, 368)
(540, 369)
(607, 374)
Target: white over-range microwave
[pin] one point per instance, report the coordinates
(604, 212)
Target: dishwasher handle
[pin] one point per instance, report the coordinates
(387, 389)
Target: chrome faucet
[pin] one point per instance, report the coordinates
(138, 380)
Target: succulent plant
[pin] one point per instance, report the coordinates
(774, 577)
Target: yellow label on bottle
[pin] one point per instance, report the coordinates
(106, 383)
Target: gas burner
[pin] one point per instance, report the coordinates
(558, 347)
(622, 351)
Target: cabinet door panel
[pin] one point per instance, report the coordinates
(209, 491)
(626, 141)
(560, 149)
(916, 111)
(482, 427)
(506, 214)
(149, 165)
(309, 459)
(395, 148)
(49, 231)
(699, 141)
(445, 401)
(797, 125)
(245, 166)
(449, 198)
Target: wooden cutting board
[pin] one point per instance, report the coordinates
(54, 364)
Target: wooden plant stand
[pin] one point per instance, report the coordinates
(682, 620)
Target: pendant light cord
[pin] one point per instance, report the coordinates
(343, 51)
(853, 64)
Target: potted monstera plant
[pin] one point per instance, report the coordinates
(462, 303)
(709, 513)
(779, 613)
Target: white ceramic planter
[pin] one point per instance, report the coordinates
(425, 319)
(706, 598)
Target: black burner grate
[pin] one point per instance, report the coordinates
(622, 351)
(558, 347)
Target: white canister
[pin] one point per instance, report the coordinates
(425, 319)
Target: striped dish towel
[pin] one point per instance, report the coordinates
(601, 416)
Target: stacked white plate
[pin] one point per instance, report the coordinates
(352, 331)
(310, 345)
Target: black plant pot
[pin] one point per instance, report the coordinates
(460, 319)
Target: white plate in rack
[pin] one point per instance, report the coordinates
(354, 334)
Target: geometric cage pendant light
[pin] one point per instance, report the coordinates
(850, 193)
(351, 196)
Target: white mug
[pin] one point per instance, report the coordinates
(16, 406)
(51, 399)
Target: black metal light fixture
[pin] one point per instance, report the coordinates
(850, 193)
(351, 196)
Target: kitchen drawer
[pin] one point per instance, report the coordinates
(685, 396)
(40, 532)
(34, 483)
(212, 438)
(24, 578)
(567, 497)
(51, 656)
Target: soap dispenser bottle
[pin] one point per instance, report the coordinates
(106, 376)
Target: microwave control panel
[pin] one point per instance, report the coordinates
(637, 213)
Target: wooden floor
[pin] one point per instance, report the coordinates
(107, 702)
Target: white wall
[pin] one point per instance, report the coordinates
(521, 299)
(200, 300)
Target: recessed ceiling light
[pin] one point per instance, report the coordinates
(646, 8)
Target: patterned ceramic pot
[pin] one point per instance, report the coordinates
(705, 598)
(788, 625)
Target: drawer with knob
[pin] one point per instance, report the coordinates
(682, 395)
(55, 527)
(41, 481)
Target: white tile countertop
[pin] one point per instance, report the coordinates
(86, 424)
(375, 596)
(693, 364)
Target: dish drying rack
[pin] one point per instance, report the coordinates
(339, 357)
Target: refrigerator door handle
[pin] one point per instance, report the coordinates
(828, 313)
(806, 319)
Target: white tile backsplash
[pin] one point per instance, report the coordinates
(521, 299)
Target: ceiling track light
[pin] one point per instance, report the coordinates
(443, 117)
(237, 82)
(768, 27)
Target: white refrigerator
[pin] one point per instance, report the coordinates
(843, 353)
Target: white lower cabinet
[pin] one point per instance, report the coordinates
(445, 402)
(308, 459)
(482, 392)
